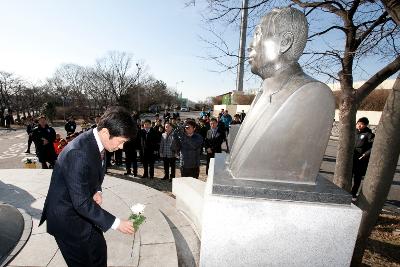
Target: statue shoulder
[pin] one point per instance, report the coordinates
(315, 89)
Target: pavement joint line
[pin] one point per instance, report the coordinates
(37, 234)
(151, 244)
(55, 253)
(122, 200)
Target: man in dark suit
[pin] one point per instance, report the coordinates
(215, 138)
(149, 144)
(72, 207)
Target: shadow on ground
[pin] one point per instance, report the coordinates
(18, 198)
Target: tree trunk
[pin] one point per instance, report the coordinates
(381, 169)
(393, 8)
(344, 158)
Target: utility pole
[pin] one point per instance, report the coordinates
(242, 46)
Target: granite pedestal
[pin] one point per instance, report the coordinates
(275, 224)
(233, 130)
(11, 228)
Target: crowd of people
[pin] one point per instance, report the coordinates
(164, 138)
(167, 138)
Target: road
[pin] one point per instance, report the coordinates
(13, 144)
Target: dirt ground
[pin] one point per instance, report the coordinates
(383, 247)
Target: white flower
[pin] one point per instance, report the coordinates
(29, 160)
(137, 208)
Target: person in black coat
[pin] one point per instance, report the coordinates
(214, 139)
(148, 146)
(72, 207)
(362, 151)
(166, 115)
(130, 148)
(43, 136)
(30, 125)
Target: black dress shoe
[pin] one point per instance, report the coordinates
(127, 173)
(164, 178)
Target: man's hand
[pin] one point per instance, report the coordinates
(126, 227)
(45, 141)
(209, 150)
(98, 198)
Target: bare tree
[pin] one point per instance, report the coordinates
(9, 82)
(383, 161)
(116, 70)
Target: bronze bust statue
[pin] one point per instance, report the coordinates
(287, 129)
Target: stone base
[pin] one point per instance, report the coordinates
(233, 130)
(189, 194)
(240, 231)
(323, 191)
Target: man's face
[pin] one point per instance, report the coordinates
(213, 124)
(111, 144)
(360, 126)
(115, 143)
(42, 122)
(189, 129)
(147, 125)
(263, 52)
(168, 128)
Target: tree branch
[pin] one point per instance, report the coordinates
(377, 79)
(229, 9)
(382, 19)
(327, 30)
(327, 5)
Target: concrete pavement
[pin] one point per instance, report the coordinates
(164, 239)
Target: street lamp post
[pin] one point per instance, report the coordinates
(176, 88)
(138, 76)
(176, 84)
(242, 46)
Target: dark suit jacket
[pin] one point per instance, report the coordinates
(215, 142)
(69, 209)
(148, 143)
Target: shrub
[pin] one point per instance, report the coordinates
(375, 101)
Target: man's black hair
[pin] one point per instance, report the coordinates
(191, 123)
(363, 120)
(147, 121)
(118, 122)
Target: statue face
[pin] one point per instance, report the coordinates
(264, 52)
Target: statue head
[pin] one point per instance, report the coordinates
(278, 40)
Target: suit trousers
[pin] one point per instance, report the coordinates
(148, 165)
(190, 172)
(169, 163)
(131, 162)
(85, 253)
